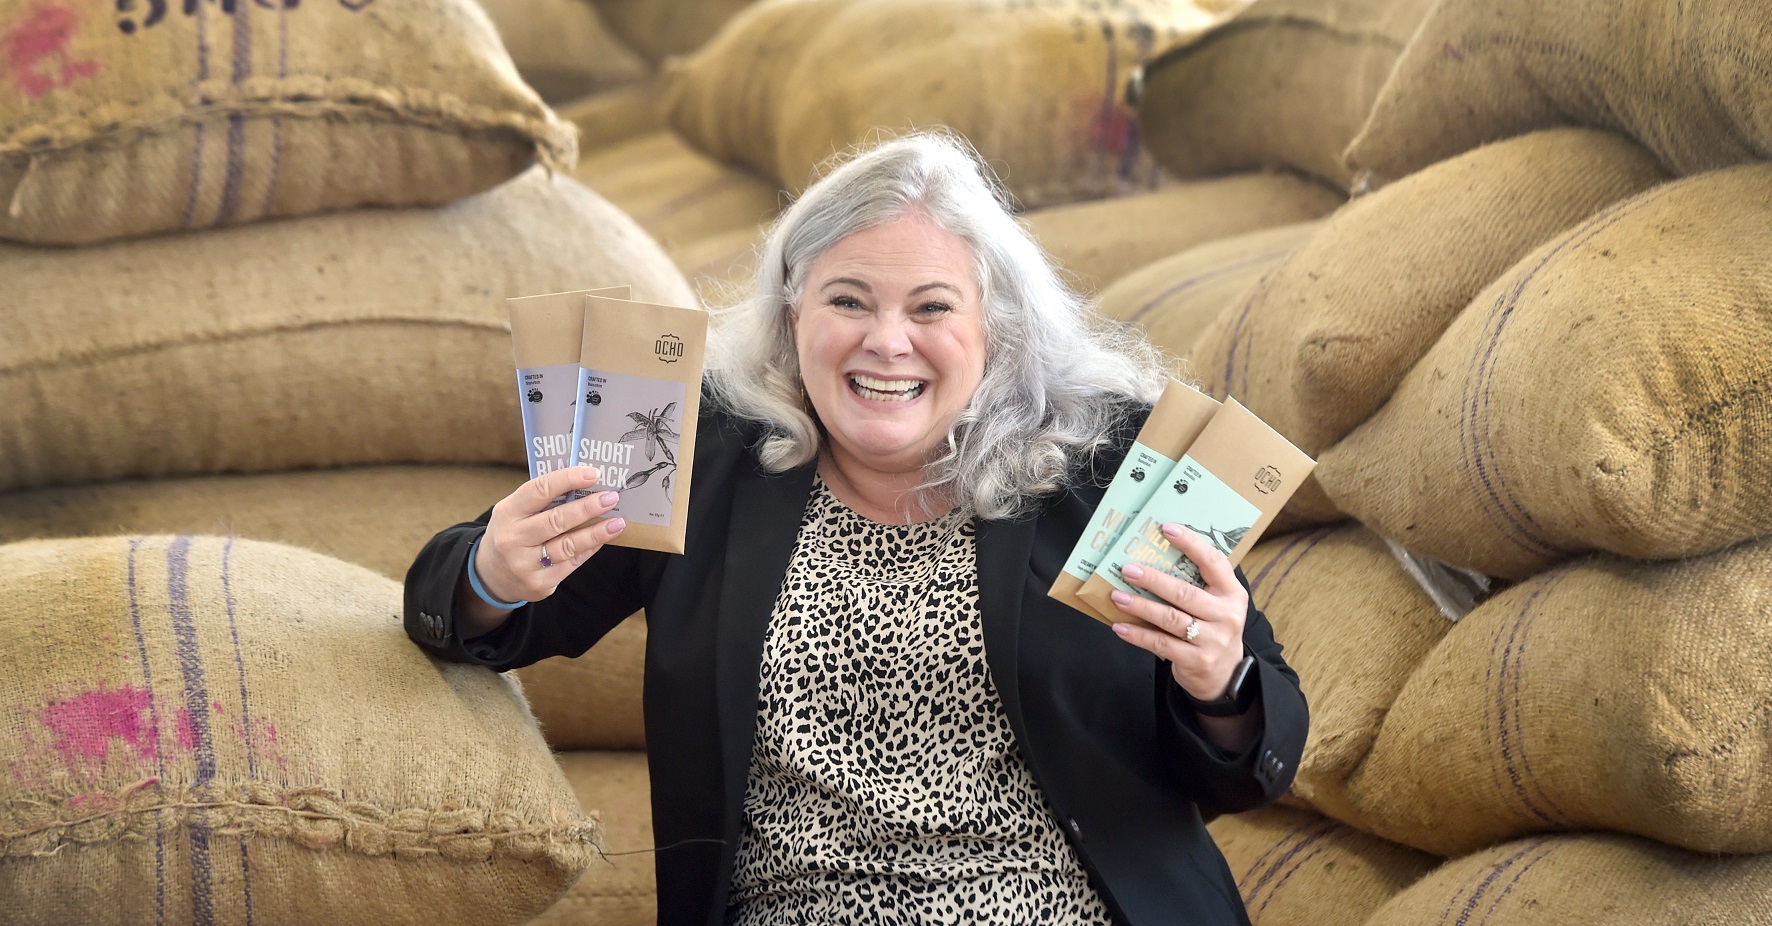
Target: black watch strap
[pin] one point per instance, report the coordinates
(1236, 699)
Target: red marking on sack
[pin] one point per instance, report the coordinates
(36, 50)
(1111, 129)
(187, 731)
(1452, 52)
(84, 726)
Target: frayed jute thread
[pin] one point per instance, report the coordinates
(117, 124)
(315, 818)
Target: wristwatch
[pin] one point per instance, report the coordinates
(1236, 699)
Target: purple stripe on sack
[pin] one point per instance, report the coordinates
(190, 661)
(1261, 574)
(1279, 844)
(1311, 540)
(1099, 135)
(231, 180)
(1518, 876)
(1511, 664)
(1296, 867)
(277, 121)
(1323, 828)
(1206, 277)
(1482, 887)
(1145, 39)
(245, 714)
(197, 128)
(1503, 511)
(1506, 680)
(141, 647)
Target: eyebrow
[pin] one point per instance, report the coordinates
(858, 284)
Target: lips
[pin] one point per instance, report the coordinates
(886, 390)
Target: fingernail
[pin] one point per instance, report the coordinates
(1121, 598)
(1131, 571)
(609, 499)
(1122, 629)
(1172, 529)
(617, 525)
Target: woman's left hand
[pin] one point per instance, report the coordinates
(1199, 630)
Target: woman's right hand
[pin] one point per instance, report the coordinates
(529, 549)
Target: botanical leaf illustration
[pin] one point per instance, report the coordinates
(656, 430)
(639, 478)
(1224, 541)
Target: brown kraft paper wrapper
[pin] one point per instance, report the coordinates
(1175, 421)
(545, 334)
(1229, 486)
(639, 395)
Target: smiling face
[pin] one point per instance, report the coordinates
(890, 334)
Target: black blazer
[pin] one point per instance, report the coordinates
(1122, 762)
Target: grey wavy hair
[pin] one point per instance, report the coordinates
(1056, 378)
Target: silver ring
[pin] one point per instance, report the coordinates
(1193, 629)
(545, 561)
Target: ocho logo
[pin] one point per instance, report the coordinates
(1267, 479)
(1180, 487)
(534, 395)
(669, 348)
(1137, 474)
(594, 398)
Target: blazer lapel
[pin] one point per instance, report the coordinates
(766, 515)
(1003, 551)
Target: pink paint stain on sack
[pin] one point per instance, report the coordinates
(84, 726)
(36, 50)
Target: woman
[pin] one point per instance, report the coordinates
(860, 704)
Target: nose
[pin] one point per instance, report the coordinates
(888, 336)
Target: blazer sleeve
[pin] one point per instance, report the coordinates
(603, 591)
(1222, 782)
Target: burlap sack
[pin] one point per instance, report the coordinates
(370, 337)
(616, 890)
(1037, 85)
(1604, 694)
(1588, 880)
(1287, 83)
(678, 195)
(1610, 392)
(1177, 298)
(226, 731)
(1337, 326)
(722, 266)
(374, 516)
(609, 117)
(594, 700)
(1355, 627)
(1687, 81)
(157, 117)
(661, 28)
(1099, 242)
(1295, 868)
(561, 47)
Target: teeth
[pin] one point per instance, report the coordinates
(887, 390)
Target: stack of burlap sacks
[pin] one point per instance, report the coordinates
(216, 351)
(1531, 345)
(706, 150)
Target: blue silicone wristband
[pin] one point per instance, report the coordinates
(474, 581)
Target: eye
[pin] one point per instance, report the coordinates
(934, 308)
(846, 302)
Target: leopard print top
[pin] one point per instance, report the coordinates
(885, 784)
